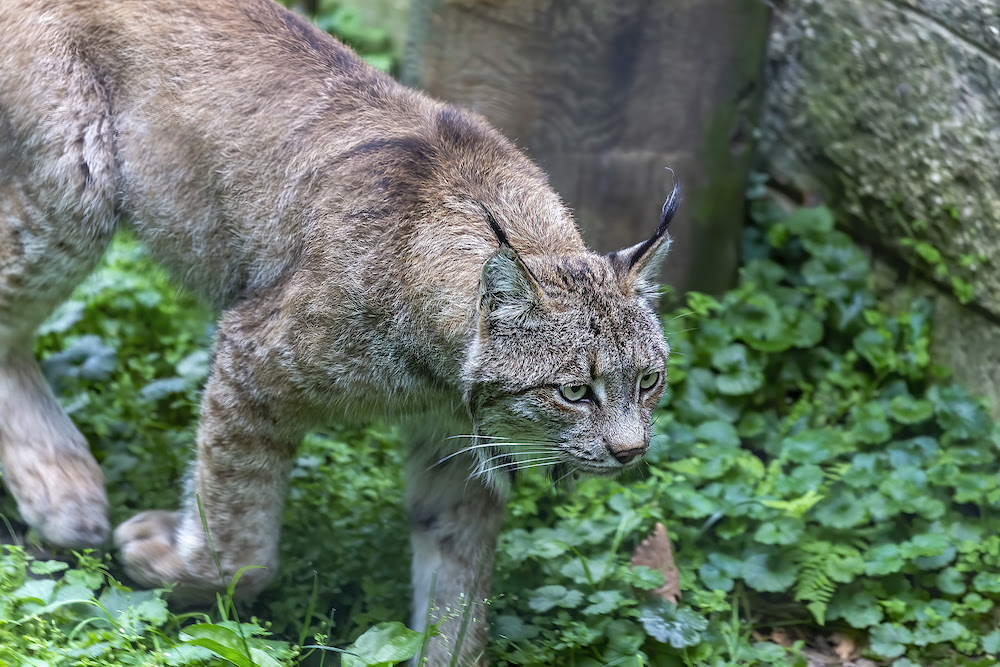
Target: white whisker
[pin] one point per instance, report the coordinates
(561, 478)
(470, 448)
(504, 455)
(521, 465)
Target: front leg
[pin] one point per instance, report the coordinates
(246, 447)
(454, 523)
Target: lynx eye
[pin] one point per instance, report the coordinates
(574, 393)
(649, 380)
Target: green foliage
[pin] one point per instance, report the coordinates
(930, 258)
(811, 466)
(82, 616)
(812, 469)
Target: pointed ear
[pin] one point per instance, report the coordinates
(505, 283)
(507, 287)
(640, 263)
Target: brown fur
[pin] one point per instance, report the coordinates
(341, 224)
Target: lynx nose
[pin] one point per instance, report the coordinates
(623, 453)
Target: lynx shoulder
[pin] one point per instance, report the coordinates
(372, 253)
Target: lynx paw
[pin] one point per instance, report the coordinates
(147, 545)
(155, 551)
(64, 500)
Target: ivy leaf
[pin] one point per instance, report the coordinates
(513, 628)
(603, 602)
(860, 609)
(783, 530)
(926, 544)
(667, 624)
(842, 510)
(870, 425)
(947, 631)
(951, 581)
(991, 642)
(814, 445)
(875, 346)
(809, 222)
(47, 566)
(883, 559)
(718, 433)
(769, 572)
(645, 578)
(737, 375)
(987, 582)
(545, 598)
(889, 640)
(958, 413)
(844, 564)
(908, 410)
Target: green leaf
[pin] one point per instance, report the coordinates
(883, 559)
(47, 566)
(987, 582)
(645, 578)
(860, 609)
(951, 581)
(545, 598)
(908, 410)
(926, 544)
(513, 628)
(385, 644)
(814, 222)
(870, 425)
(991, 642)
(718, 433)
(603, 602)
(889, 640)
(783, 530)
(769, 572)
(220, 640)
(814, 445)
(842, 510)
(667, 624)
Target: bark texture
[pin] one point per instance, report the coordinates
(604, 96)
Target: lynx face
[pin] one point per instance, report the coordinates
(569, 362)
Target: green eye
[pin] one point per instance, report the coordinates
(649, 380)
(573, 392)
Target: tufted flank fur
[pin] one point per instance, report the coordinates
(373, 253)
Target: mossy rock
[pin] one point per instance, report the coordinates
(893, 108)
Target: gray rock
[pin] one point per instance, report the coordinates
(891, 110)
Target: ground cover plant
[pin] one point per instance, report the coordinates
(814, 470)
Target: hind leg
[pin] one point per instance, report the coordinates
(46, 462)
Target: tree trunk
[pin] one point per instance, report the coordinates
(604, 96)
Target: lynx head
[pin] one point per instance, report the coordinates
(570, 358)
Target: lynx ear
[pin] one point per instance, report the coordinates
(641, 262)
(506, 284)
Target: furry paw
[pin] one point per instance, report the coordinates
(63, 500)
(148, 546)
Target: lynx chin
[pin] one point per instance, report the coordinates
(373, 254)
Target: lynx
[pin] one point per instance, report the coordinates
(374, 254)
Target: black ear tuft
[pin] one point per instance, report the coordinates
(506, 281)
(643, 258)
(507, 248)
